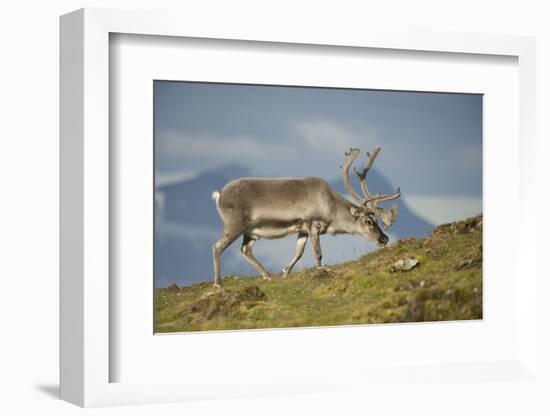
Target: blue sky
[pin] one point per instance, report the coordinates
(431, 142)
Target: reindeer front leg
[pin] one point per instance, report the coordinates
(315, 234)
(300, 245)
(317, 227)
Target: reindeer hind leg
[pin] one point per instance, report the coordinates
(219, 246)
(246, 250)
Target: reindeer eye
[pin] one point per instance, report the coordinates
(369, 221)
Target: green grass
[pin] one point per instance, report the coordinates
(445, 285)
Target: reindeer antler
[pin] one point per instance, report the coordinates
(350, 158)
(363, 173)
(373, 200)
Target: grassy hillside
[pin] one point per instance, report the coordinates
(445, 284)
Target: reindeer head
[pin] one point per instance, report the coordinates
(368, 210)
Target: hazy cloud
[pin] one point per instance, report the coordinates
(323, 135)
(170, 177)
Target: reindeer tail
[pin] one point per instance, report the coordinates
(216, 196)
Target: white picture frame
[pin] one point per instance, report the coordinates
(85, 209)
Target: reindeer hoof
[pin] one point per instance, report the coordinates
(324, 269)
(217, 285)
(284, 272)
(266, 277)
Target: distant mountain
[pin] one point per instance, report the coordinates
(190, 201)
(187, 224)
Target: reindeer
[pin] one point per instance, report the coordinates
(274, 208)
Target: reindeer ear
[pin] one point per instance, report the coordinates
(356, 212)
(387, 216)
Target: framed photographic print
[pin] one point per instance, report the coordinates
(236, 164)
(262, 211)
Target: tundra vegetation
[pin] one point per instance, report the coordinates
(445, 284)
